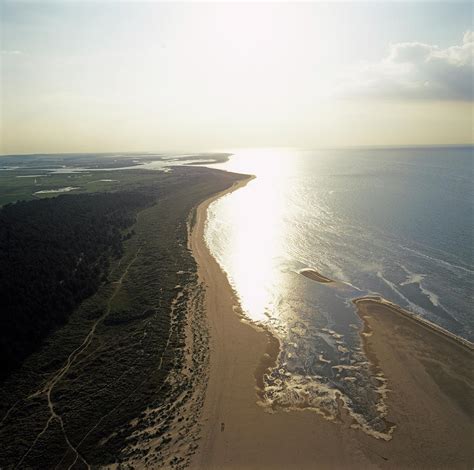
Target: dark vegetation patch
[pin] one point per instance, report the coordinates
(54, 253)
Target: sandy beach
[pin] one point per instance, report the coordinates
(429, 381)
(431, 384)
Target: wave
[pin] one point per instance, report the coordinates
(392, 286)
(414, 278)
(450, 266)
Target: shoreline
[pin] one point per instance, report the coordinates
(427, 373)
(237, 432)
(220, 297)
(198, 243)
(397, 310)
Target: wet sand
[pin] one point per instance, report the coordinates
(429, 381)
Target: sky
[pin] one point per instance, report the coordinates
(132, 76)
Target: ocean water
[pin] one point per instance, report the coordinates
(392, 222)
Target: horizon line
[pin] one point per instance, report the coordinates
(234, 149)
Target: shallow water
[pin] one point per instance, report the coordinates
(392, 222)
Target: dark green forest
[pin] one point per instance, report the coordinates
(54, 253)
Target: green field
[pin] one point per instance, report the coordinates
(23, 176)
(14, 186)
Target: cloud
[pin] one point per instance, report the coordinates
(414, 70)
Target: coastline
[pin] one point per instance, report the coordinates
(433, 426)
(236, 431)
(397, 310)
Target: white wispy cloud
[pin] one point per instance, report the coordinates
(414, 70)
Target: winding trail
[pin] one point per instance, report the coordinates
(9, 411)
(173, 322)
(49, 387)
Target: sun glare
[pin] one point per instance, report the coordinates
(260, 230)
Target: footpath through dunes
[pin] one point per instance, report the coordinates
(429, 392)
(117, 384)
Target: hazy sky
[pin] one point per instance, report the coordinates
(109, 76)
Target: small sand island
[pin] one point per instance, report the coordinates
(315, 276)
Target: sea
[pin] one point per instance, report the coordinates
(391, 222)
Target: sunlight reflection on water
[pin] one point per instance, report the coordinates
(328, 211)
(252, 227)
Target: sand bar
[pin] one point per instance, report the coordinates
(315, 276)
(431, 384)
